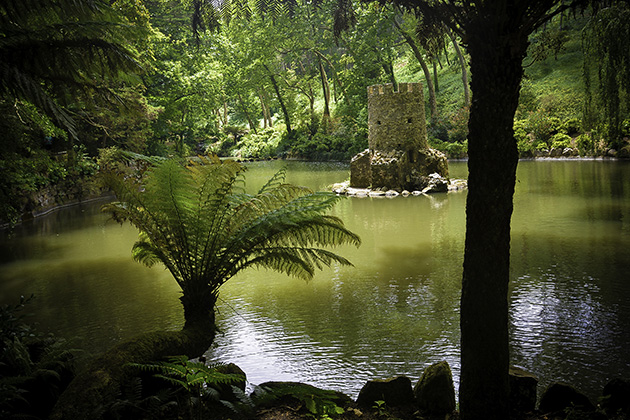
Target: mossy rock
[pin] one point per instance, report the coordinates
(313, 401)
(616, 397)
(100, 381)
(558, 397)
(435, 392)
(226, 392)
(523, 386)
(394, 391)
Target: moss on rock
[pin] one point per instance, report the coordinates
(100, 381)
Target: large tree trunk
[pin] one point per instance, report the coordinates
(496, 67)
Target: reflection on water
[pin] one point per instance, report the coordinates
(395, 312)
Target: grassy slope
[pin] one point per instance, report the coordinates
(553, 85)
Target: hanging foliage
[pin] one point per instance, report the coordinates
(607, 71)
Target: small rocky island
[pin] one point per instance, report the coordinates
(398, 159)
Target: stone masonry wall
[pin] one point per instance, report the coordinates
(398, 157)
(396, 120)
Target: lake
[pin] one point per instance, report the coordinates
(395, 312)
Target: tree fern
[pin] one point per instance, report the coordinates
(51, 50)
(198, 221)
(189, 375)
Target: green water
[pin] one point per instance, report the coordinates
(395, 312)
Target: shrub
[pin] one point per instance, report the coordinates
(523, 141)
(262, 145)
(560, 141)
(455, 150)
(438, 129)
(543, 126)
(591, 143)
(34, 369)
(458, 131)
(571, 126)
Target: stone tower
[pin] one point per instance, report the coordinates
(396, 119)
(398, 156)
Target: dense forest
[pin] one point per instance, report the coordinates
(140, 76)
(87, 83)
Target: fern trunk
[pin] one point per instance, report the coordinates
(199, 309)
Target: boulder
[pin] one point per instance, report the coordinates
(434, 392)
(387, 169)
(557, 397)
(396, 169)
(457, 184)
(226, 392)
(435, 183)
(569, 152)
(522, 390)
(270, 393)
(430, 161)
(341, 187)
(616, 397)
(394, 391)
(360, 172)
(624, 152)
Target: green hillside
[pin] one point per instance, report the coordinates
(552, 102)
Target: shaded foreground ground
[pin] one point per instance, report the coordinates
(293, 410)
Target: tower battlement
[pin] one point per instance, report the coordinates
(388, 89)
(398, 156)
(396, 119)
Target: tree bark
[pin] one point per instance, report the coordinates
(335, 76)
(326, 93)
(263, 109)
(198, 303)
(285, 112)
(252, 126)
(496, 52)
(427, 74)
(435, 75)
(462, 62)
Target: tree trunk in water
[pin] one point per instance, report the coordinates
(496, 68)
(103, 376)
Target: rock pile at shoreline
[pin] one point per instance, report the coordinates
(436, 184)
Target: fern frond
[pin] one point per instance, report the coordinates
(194, 219)
(53, 51)
(275, 181)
